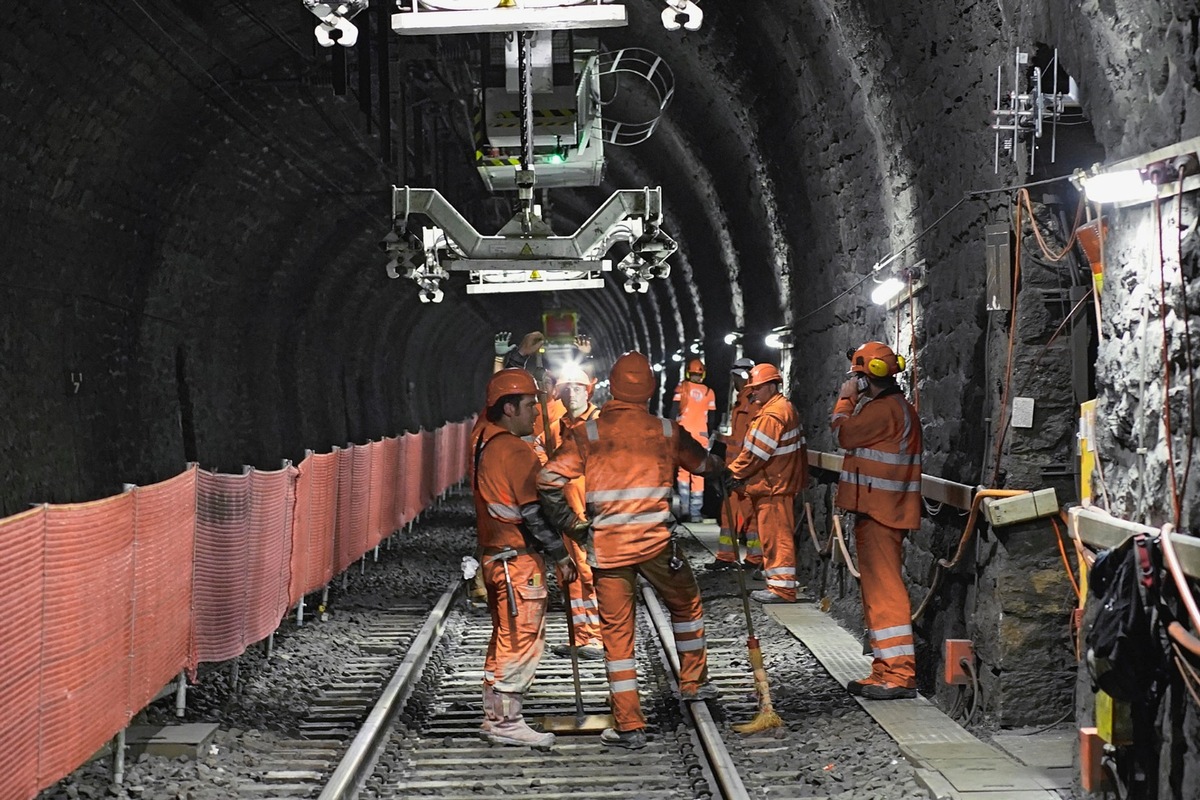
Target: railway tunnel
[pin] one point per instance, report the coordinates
(195, 194)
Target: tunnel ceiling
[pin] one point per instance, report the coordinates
(191, 212)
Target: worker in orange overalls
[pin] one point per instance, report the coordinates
(628, 458)
(693, 403)
(771, 469)
(515, 541)
(575, 393)
(881, 484)
(736, 517)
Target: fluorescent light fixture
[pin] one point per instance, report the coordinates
(1124, 186)
(677, 356)
(886, 291)
(657, 367)
(733, 337)
(773, 340)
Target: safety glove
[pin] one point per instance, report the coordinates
(503, 343)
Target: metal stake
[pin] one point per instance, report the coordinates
(181, 694)
(118, 770)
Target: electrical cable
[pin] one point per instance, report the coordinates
(1002, 426)
(1046, 347)
(966, 664)
(1051, 725)
(1166, 363)
(837, 531)
(981, 192)
(1187, 327)
(1062, 551)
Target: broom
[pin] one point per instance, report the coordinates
(766, 719)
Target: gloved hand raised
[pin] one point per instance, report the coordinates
(503, 343)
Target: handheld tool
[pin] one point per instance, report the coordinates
(581, 722)
(504, 556)
(766, 717)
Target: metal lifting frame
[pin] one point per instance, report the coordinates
(607, 226)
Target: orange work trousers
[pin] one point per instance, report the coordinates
(737, 519)
(616, 590)
(776, 519)
(581, 593)
(886, 607)
(517, 642)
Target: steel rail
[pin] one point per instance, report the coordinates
(364, 751)
(724, 770)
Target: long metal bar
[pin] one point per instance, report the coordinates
(938, 490)
(721, 762)
(364, 751)
(1098, 528)
(526, 86)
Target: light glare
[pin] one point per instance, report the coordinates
(886, 291)
(1118, 187)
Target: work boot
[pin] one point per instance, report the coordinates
(719, 565)
(701, 691)
(492, 713)
(630, 740)
(767, 597)
(887, 691)
(511, 728)
(592, 651)
(757, 574)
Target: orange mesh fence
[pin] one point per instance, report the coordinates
(313, 525)
(360, 505)
(87, 605)
(413, 453)
(376, 494)
(389, 518)
(268, 560)
(21, 576)
(428, 460)
(399, 491)
(222, 548)
(342, 557)
(165, 527)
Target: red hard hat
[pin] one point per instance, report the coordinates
(876, 359)
(631, 378)
(695, 365)
(762, 374)
(509, 381)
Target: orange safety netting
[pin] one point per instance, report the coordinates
(313, 525)
(242, 561)
(118, 595)
(21, 576)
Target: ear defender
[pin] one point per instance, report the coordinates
(900, 364)
(877, 367)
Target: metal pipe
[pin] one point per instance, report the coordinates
(181, 695)
(300, 613)
(119, 758)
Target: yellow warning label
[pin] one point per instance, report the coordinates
(527, 250)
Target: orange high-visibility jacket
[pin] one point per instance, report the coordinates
(881, 472)
(694, 401)
(739, 423)
(558, 434)
(774, 457)
(505, 480)
(628, 459)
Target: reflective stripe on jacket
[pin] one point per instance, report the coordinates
(739, 423)
(628, 459)
(774, 457)
(506, 479)
(694, 401)
(881, 472)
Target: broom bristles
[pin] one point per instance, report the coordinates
(764, 721)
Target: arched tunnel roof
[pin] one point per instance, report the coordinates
(191, 212)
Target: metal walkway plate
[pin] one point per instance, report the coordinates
(949, 761)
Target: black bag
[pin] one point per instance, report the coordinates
(1126, 654)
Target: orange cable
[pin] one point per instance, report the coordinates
(1061, 254)
(837, 531)
(1062, 551)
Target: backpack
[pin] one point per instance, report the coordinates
(1126, 654)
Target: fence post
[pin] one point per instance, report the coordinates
(181, 694)
(118, 770)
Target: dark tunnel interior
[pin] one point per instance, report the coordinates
(193, 194)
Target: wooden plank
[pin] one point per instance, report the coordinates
(937, 490)
(1099, 529)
